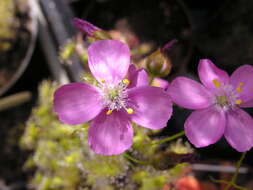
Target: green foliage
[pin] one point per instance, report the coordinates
(67, 50)
(150, 179)
(10, 21)
(7, 23)
(57, 146)
(64, 161)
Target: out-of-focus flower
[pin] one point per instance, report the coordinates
(122, 31)
(90, 29)
(115, 102)
(217, 103)
(188, 183)
(158, 63)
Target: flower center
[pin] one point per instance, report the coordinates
(227, 96)
(115, 96)
(222, 101)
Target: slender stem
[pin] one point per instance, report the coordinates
(239, 187)
(151, 79)
(14, 100)
(228, 183)
(154, 143)
(135, 160)
(170, 138)
(238, 165)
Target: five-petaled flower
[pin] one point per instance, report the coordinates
(122, 95)
(217, 103)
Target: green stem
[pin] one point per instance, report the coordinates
(238, 165)
(228, 183)
(169, 138)
(135, 160)
(239, 187)
(153, 143)
(151, 79)
(14, 100)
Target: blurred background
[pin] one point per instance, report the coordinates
(33, 34)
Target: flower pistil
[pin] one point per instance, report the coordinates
(227, 96)
(115, 96)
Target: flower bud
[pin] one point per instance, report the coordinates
(85, 26)
(101, 35)
(90, 29)
(158, 63)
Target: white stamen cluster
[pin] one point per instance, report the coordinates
(227, 97)
(114, 96)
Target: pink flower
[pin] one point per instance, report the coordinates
(217, 103)
(115, 102)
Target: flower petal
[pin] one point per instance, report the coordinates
(189, 93)
(239, 130)
(158, 82)
(243, 77)
(205, 127)
(110, 134)
(152, 106)
(247, 104)
(109, 60)
(77, 103)
(137, 77)
(209, 72)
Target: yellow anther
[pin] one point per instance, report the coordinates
(102, 80)
(156, 83)
(239, 88)
(126, 81)
(238, 101)
(130, 111)
(109, 112)
(216, 83)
